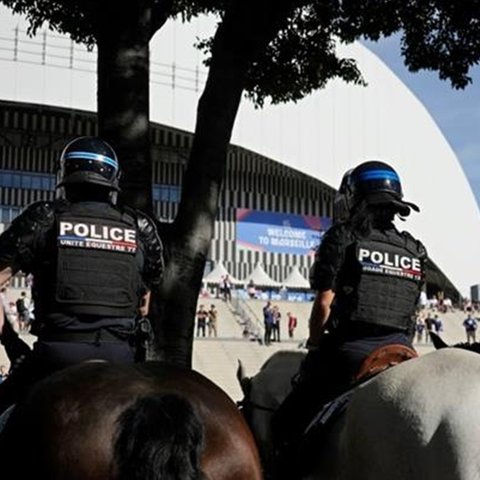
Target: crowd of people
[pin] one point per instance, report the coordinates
(426, 322)
(207, 321)
(206, 324)
(428, 319)
(272, 323)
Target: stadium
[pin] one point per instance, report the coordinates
(270, 217)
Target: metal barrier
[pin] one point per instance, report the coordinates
(252, 326)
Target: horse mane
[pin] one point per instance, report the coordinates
(439, 343)
(471, 347)
(158, 437)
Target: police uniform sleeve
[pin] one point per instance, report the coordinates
(420, 251)
(423, 256)
(153, 250)
(329, 258)
(20, 242)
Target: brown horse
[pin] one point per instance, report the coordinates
(148, 421)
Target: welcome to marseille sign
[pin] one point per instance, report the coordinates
(279, 232)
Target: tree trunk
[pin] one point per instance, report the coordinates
(123, 98)
(245, 31)
(188, 240)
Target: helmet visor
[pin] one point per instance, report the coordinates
(105, 166)
(379, 180)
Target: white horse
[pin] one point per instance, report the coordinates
(419, 420)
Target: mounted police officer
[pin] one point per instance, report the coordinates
(93, 263)
(368, 277)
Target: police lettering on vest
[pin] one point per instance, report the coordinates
(97, 236)
(388, 263)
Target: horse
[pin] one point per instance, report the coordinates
(147, 421)
(276, 372)
(417, 420)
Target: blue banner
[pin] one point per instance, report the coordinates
(279, 232)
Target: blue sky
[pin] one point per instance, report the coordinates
(457, 112)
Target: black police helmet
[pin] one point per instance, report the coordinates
(379, 184)
(89, 160)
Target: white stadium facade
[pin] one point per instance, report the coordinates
(284, 164)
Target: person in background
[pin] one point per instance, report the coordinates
(268, 323)
(202, 318)
(277, 318)
(212, 321)
(429, 326)
(227, 288)
(437, 324)
(419, 328)
(251, 290)
(470, 324)
(23, 312)
(292, 324)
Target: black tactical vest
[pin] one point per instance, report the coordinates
(96, 268)
(381, 279)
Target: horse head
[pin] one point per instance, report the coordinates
(263, 394)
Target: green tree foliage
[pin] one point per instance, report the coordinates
(270, 50)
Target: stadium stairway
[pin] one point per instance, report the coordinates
(217, 358)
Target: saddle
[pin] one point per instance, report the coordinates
(383, 358)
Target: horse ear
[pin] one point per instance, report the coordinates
(240, 371)
(245, 382)
(437, 341)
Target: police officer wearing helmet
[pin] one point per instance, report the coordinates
(368, 277)
(93, 262)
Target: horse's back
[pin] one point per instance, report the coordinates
(418, 420)
(88, 411)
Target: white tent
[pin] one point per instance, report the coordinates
(260, 278)
(217, 274)
(296, 280)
